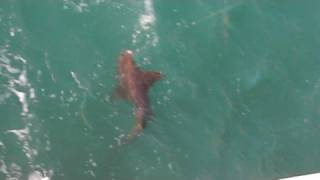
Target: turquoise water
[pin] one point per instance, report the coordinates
(240, 99)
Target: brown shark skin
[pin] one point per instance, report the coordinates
(134, 84)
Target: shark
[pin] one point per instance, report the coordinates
(133, 86)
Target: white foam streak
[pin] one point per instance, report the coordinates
(10, 69)
(24, 137)
(76, 79)
(36, 175)
(147, 22)
(3, 56)
(3, 167)
(32, 93)
(22, 99)
(14, 172)
(24, 61)
(22, 134)
(23, 78)
(13, 72)
(147, 19)
(77, 6)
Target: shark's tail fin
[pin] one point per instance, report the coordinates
(135, 132)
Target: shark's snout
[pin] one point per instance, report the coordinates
(127, 54)
(128, 51)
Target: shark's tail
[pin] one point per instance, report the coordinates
(142, 116)
(135, 132)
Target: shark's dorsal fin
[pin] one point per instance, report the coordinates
(150, 77)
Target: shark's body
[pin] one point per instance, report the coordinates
(134, 84)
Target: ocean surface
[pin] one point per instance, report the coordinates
(240, 99)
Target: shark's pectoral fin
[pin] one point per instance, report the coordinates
(150, 77)
(119, 93)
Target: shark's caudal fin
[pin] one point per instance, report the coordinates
(135, 132)
(150, 77)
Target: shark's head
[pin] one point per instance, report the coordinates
(128, 51)
(126, 61)
(126, 55)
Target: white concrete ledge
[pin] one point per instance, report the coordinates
(304, 177)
